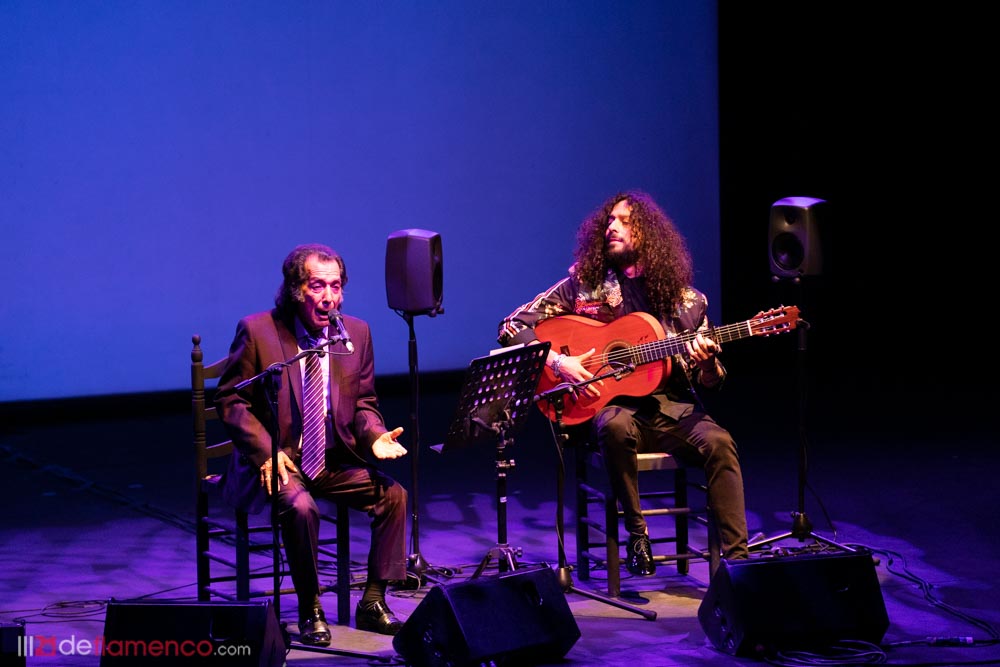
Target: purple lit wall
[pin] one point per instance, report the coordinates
(160, 159)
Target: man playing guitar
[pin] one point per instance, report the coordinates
(633, 270)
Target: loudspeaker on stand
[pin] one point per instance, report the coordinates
(414, 272)
(793, 239)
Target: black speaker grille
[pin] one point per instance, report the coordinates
(760, 606)
(414, 272)
(240, 634)
(520, 618)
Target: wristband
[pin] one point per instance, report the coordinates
(557, 364)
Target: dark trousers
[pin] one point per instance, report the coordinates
(383, 498)
(697, 441)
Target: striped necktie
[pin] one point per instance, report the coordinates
(313, 415)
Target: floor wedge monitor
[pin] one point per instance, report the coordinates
(518, 618)
(759, 606)
(239, 634)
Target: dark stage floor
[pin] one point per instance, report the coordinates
(99, 508)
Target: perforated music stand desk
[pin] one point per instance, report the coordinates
(498, 392)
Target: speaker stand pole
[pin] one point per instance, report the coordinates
(416, 565)
(564, 571)
(802, 528)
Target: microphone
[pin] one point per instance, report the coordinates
(338, 321)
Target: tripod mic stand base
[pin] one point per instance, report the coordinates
(505, 556)
(419, 572)
(416, 564)
(296, 646)
(802, 531)
(565, 577)
(416, 569)
(566, 581)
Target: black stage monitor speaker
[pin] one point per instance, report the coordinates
(518, 618)
(14, 650)
(794, 237)
(244, 634)
(414, 275)
(759, 606)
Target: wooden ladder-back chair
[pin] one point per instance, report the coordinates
(666, 496)
(225, 537)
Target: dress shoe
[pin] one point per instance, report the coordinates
(376, 617)
(640, 556)
(313, 630)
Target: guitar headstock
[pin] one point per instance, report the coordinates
(774, 321)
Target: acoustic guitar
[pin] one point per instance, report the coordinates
(633, 352)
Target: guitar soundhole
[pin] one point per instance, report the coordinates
(616, 355)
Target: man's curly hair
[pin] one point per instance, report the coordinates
(662, 253)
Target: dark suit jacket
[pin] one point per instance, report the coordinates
(264, 339)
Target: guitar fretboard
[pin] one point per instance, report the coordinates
(657, 350)
(629, 342)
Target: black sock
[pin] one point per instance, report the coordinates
(307, 603)
(374, 592)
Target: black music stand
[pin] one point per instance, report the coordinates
(495, 401)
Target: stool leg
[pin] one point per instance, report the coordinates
(242, 556)
(582, 514)
(343, 565)
(613, 545)
(681, 520)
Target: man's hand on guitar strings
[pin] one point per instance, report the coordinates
(572, 369)
(703, 351)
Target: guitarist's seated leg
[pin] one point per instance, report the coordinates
(635, 425)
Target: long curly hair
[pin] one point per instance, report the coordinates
(293, 269)
(662, 253)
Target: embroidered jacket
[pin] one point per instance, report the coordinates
(605, 304)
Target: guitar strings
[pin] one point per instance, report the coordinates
(657, 349)
(620, 358)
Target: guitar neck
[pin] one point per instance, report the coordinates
(666, 347)
(631, 341)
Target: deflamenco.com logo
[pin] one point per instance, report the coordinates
(50, 646)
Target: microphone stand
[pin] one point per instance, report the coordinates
(555, 397)
(270, 378)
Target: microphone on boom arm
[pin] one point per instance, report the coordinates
(338, 321)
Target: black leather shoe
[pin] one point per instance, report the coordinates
(313, 629)
(640, 556)
(376, 617)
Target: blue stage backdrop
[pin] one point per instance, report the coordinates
(160, 159)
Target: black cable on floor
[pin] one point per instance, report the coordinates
(847, 652)
(926, 587)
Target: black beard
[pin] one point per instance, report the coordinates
(622, 258)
